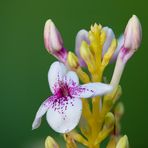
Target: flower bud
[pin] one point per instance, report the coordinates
(119, 110)
(133, 34)
(52, 38)
(50, 143)
(109, 120)
(123, 142)
(53, 41)
(85, 51)
(132, 38)
(72, 60)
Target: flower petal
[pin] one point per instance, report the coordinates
(120, 44)
(109, 37)
(71, 79)
(82, 35)
(41, 111)
(93, 89)
(66, 116)
(55, 74)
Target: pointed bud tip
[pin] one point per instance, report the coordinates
(50, 143)
(119, 109)
(123, 142)
(109, 120)
(133, 33)
(72, 60)
(52, 38)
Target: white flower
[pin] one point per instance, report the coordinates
(64, 108)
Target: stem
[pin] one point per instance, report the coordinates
(117, 72)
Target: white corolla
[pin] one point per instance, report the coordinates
(64, 108)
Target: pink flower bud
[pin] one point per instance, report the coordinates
(132, 38)
(53, 41)
(133, 34)
(52, 37)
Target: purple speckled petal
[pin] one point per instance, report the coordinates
(41, 111)
(56, 73)
(92, 89)
(82, 35)
(64, 115)
(71, 79)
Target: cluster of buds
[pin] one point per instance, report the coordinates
(68, 106)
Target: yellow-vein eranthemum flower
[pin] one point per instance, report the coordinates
(99, 116)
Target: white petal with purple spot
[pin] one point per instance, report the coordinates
(65, 116)
(71, 79)
(93, 89)
(56, 73)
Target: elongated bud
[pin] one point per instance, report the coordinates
(50, 143)
(119, 110)
(133, 34)
(132, 38)
(52, 38)
(72, 60)
(109, 120)
(123, 142)
(85, 51)
(53, 41)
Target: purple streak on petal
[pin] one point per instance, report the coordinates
(63, 94)
(125, 54)
(61, 55)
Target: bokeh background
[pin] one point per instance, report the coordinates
(24, 64)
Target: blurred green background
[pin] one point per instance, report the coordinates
(25, 63)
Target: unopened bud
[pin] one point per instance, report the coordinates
(133, 34)
(72, 60)
(53, 41)
(119, 110)
(50, 143)
(109, 120)
(123, 142)
(52, 38)
(85, 51)
(132, 38)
